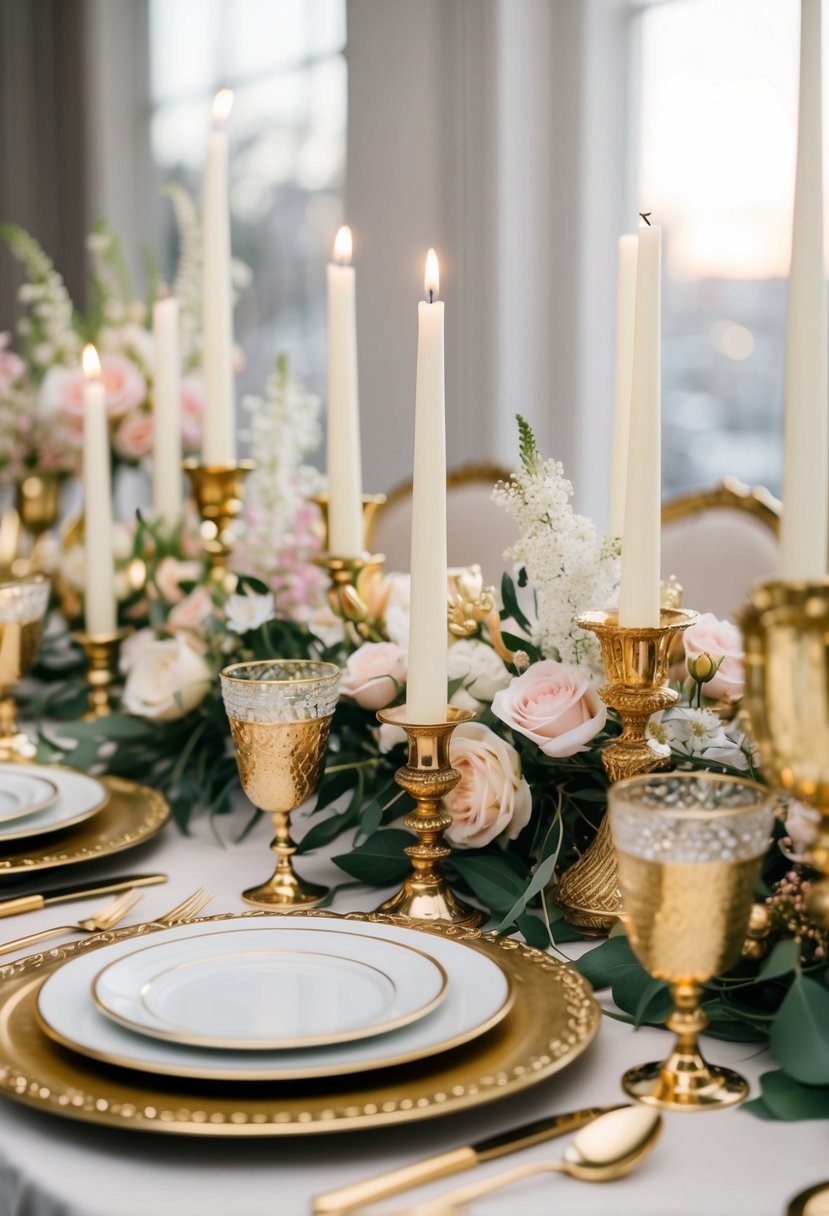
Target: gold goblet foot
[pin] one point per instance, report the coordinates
(285, 889)
(428, 777)
(217, 491)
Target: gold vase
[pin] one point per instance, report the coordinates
(218, 494)
(786, 631)
(428, 776)
(636, 663)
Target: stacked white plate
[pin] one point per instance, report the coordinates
(273, 998)
(36, 799)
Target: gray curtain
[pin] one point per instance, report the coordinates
(43, 137)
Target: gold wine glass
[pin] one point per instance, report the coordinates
(280, 714)
(23, 604)
(689, 848)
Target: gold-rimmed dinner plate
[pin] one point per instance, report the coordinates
(553, 1020)
(131, 815)
(79, 797)
(23, 793)
(271, 986)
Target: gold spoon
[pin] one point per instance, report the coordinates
(607, 1148)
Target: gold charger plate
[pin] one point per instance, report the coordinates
(524, 1049)
(132, 814)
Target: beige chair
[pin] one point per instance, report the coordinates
(718, 543)
(478, 530)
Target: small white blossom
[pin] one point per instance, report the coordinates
(246, 612)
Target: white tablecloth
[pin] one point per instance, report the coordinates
(720, 1164)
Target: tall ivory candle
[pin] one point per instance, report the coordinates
(639, 589)
(99, 572)
(219, 438)
(804, 536)
(427, 677)
(167, 497)
(625, 311)
(345, 503)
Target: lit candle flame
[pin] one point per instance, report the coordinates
(222, 105)
(343, 246)
(431, 279)
(90, 362)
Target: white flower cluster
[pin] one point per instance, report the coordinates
(701, 732)
(46, 327)
(570, 566)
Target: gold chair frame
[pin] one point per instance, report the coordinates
(730, 494)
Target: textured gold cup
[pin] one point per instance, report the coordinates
(636, 662)
(428, 776)
(786, 631)
(23, 604)
(101, 652)
(280, 716)
(218, 494)
(689, 849)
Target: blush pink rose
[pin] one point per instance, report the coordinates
(125, 387)
(717, 637)
(133, 438)
(192, 611)
(371, 672)
(491, 798)
(554, 705)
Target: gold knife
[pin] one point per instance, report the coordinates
(429, 1169)
(83, 890)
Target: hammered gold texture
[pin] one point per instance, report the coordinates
(687, 920)
(280, 763)
(553, 1020)
(19, 644)
(133, 814)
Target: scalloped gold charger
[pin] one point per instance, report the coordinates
(132, 814)
(553, 1019)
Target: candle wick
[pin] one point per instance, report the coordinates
(431, 296)
(645, 215)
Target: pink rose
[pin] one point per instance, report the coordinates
(554, 705)
(171, 573)
(371, 672)
(718, 638)
(125, 387)
(491, 797)
(192, 409)
(801, 827)
(62, 391)
(192, 611)
(133, 436)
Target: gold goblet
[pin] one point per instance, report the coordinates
(689, 848)
(23, 604)
(280, 714)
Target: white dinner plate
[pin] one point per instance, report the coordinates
(478, 996)
(277, 986)
(78, 798)
(22, 793)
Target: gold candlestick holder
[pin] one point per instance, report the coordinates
(371, 505)
(428, 776)
(344, 572)
(636, 662)
(218, 493)
(101, 652)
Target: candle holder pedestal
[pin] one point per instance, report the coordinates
(218, 494)
(636, 662)
(428, 776)
(101, 652)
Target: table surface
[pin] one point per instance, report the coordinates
(725, 1163)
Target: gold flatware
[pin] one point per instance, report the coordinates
(189, 907)
(83, 890)
(606, 1149)
(442, 1165)
(107, 918)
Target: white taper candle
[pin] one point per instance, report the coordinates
(219, 438)
(167, 492)
(625, 313)
(345, 504)
(99, 568)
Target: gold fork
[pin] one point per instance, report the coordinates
(191, 906)
(107, 918)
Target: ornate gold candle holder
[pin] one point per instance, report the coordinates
(636, 662)
(101, 652)
(371, 505)
(786, 631)
(23, 604)
(428, 776)
(344, 572)
(218, 494)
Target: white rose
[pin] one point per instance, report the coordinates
(246, 612)
(132, 647)
(482, 671)
(491, 797)
(373, 674)
(167, 680)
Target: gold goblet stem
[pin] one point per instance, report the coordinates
(428, 777)
(101, 652)
(218, 494)
(284, 889)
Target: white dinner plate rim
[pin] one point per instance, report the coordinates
(47, 797)
(345, 1036)
(332, 1068)
(56, 772)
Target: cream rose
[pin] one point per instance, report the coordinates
(167, 680)
(482, 672)
(554, 705)
(801, 828)
(491, 797)
(717, 637)
(132, 647)
(192, 611)
(372, 674)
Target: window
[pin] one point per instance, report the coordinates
(284, 60)
(718, 135)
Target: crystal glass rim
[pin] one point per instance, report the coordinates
(765, 792)
(29, 580)
(335, 672)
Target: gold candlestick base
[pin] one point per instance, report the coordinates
(636, 665)
(217, 491)
(428, 777)
(371, 505)
(101, 652)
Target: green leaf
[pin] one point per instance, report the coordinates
(639, 994)
(784, 958)
(371, 817)
(329, 829)
(784, 1098)
(511, 610)
(490, 878)
(601, 965)
(539, 880)
(799, 1037)
(380, 860)
(534, 931)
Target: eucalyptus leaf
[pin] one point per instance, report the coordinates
(539, 880)
(786, 1099)
(799, 1037)
(602, 965)
(491, 879)
(512, 610)
(380, 860)
(639, 994)
(326, 830)
(371, 817)
(534, 931)
(784, 958)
